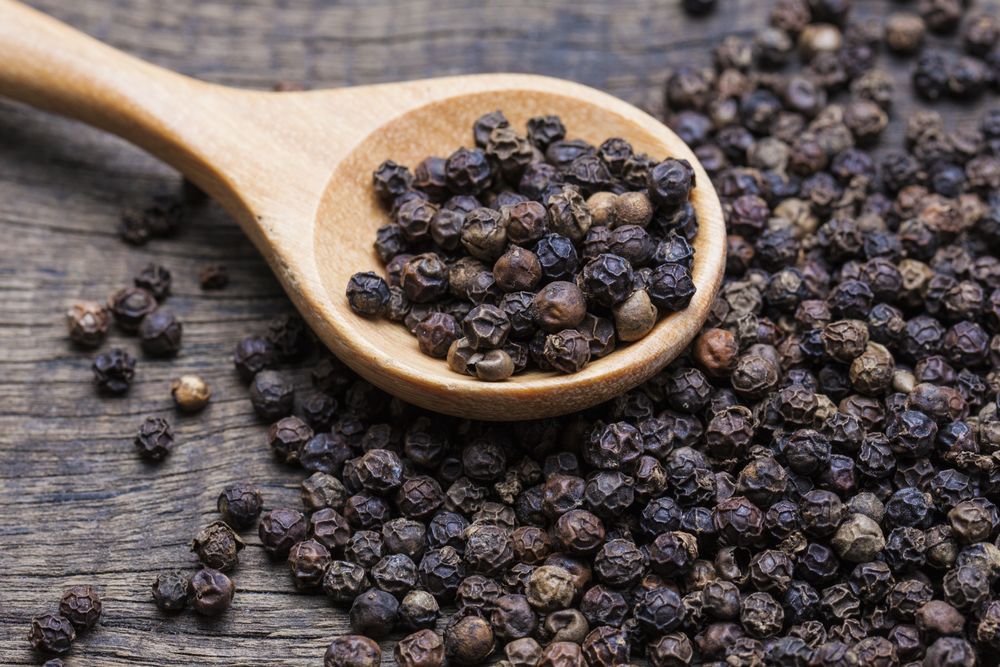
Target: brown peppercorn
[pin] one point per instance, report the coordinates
(817, 38)
(561, 654)
(845, 340)
(567, 351)
(858, 539)
(513, 618)
(171, 591)
(524, 652)
(486, 327)
(565, 625)
(279, 529)
(559, 305)
(190, 392)
(634, 317)
(321, 490)
(82, 606)
(211, 592)
(602, 206)
(716, 351)
(51, 633)
(87, 322)
(352, 651)
(436, 333)
(606, 646)
(936, 618)
(632, 208)
(218, 547)
(494, 366)
(424, 278)
(754, 376)
(483, 234)
(240, 505)
(307, 561)
(671, 650)
(524, 222)
(463, 357)
(550, 587)
(423, 648)
(579, 531)
(872, 372)
(468, 641)
(904, 32)
(569, 215)
(517, 269)
(418, 610)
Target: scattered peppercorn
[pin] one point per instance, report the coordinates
(51, 633)
(213, 277)
(88, 323)
(114, 371)
(240, 505)
(171, 591)
(82, 606)
(190, 392)
(155, 438)
(211, 592)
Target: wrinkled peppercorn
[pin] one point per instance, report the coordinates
(51, 633)
(87, 322)
(113, 371)
(171, 591)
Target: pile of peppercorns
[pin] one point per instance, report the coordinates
(530, 250)
(813, 482)
(53, 634)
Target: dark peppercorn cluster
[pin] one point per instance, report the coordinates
(530, 250)
(79, 611)
(137, 310)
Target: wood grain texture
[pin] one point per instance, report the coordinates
(78, 505)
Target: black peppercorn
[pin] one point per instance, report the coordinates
(82, 606)
(171, 591)
(272, 395)
(252, 355)
(156, 279)
(160, 333)
(374, 613)
(51, 633)
(218, 547)
(130, 305)
(211, 592)
(368, 294)
(279, 529)
(240, 505)
(113, 371)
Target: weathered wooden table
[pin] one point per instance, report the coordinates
(76, 503)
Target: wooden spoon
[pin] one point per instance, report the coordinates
(295, 170)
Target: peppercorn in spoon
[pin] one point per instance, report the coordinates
(295, 170)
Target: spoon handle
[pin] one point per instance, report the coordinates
(51, 66)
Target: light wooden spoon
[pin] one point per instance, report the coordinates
(295, 170)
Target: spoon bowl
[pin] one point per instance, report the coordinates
(295, 170)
